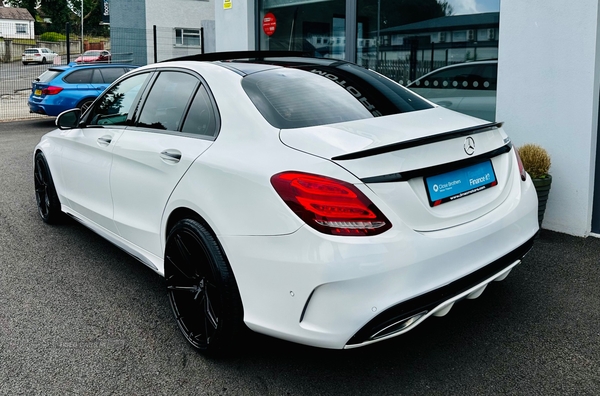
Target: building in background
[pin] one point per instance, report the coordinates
(181, 27)
(16, 23)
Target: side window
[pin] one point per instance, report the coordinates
(110, 74)
(97, 77)
(167, 101)
(114, 106)
(200, 119)
(80, 77)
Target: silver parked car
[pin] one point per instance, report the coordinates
(469, 88)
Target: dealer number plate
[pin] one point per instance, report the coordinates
(460, 183)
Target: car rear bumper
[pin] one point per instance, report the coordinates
(44, 109)
(405, 316)
(337, 292)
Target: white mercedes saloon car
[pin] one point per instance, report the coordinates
(307, 199)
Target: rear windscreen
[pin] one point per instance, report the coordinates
(31, 51)
(310, 95)
(48, 75)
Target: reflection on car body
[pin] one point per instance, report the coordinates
(469, 88)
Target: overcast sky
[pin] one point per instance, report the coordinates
(474, 6)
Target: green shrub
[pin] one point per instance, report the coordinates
(52, 36)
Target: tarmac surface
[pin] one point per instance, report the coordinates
(77, 315)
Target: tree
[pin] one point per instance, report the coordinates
(29, 5)
(446, 7)
(58, 11)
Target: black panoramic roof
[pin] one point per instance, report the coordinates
(248, 62)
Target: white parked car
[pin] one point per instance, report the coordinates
(308, 199)
(469, 88)
(38, 55)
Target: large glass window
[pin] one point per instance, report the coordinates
(409, 38)
(401, 39)
(315, 26)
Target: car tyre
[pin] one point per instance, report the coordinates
(43, 61)
(25, 63)
(202, 289)
(85, 104)
(46, 197)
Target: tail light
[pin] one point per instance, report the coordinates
(330, 206)
(51, 90)
(522, 171)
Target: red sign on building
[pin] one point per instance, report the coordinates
(269, 24)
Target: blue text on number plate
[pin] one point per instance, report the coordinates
(460, 183)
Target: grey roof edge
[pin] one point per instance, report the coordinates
(19, 14)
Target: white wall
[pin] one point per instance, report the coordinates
(235, 27)
(177, 14)
(8, 29)
(548, 88)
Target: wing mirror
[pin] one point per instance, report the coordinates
(68, 119)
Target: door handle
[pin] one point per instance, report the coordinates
(171, 156)
(104, 140)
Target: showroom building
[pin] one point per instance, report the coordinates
(548, 71)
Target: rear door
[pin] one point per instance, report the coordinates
(177, 123)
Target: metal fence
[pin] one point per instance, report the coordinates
(130, 46)
(140, 47)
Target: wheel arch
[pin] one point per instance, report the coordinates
(86, 99)
(181, 213)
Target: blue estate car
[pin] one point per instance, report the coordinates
(66, 87)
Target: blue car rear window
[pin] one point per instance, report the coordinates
(49, 75)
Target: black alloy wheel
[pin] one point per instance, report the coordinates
(202, 290)
(45, 193)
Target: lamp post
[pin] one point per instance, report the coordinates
(82, 26)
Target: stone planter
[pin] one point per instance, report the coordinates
(542, 187)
